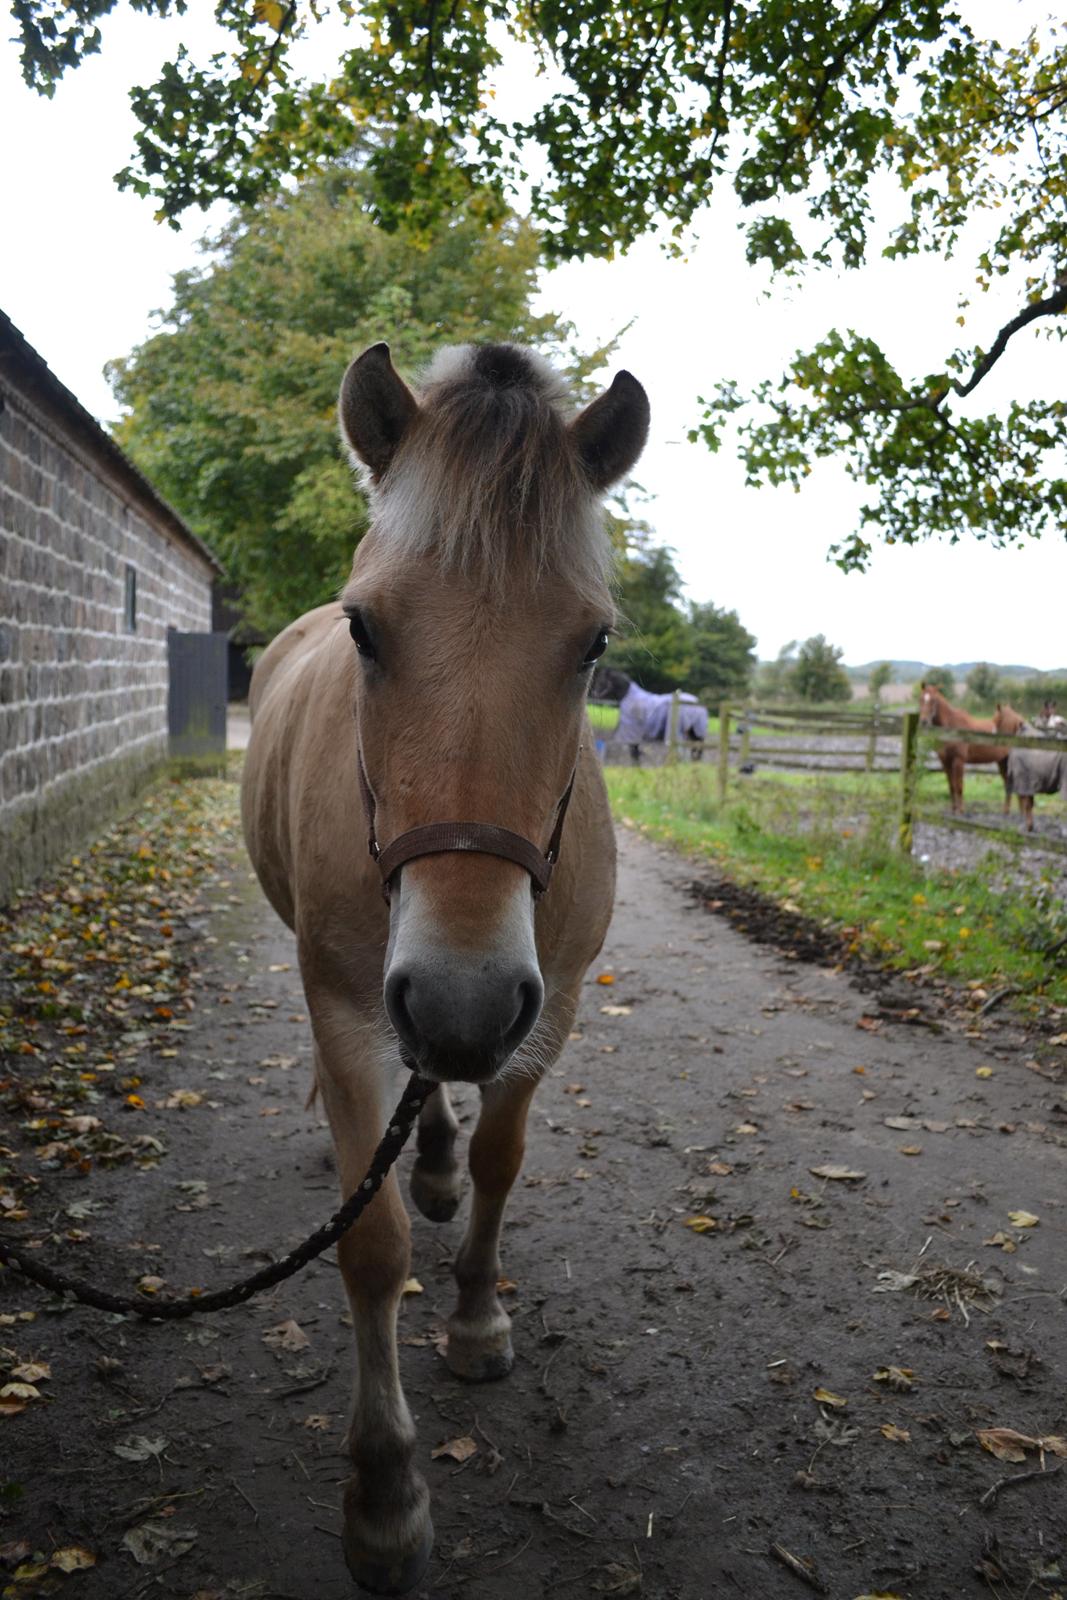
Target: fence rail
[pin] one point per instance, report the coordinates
(910, 744)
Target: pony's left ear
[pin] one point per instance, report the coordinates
(375, 408)
(610, 434)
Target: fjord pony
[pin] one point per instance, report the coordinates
(480, 591)
(937, 712)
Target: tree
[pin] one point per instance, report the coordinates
(942, 678)
(983, 683)
(806, 108)
(880, 678)
(653, 645)
(722, 654)
(772, 677)
(817, 674)
(232, 406)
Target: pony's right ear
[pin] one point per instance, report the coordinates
(375, 408)
(610, 434)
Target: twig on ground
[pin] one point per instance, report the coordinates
(995, 999)
(253, 1508)
(800, 1569)
(500, 1567)
(994, 1489)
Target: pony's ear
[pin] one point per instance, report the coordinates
(610, 434)
(375, 407)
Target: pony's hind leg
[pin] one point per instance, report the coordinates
(436, 1181)
(479, 1331)
(387, 1535)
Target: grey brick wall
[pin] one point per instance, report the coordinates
(83, 701)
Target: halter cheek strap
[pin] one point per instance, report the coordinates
(485, 838)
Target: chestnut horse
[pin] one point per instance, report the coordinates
(937, 712)
(481, 591)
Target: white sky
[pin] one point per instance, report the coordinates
(83, 267)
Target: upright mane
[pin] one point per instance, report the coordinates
(489, 479)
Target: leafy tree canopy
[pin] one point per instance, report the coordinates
(983, 683)
(817, 673)
(654, 642)
(880, 678)
(811, 110)
(233, 405)
(722, 653)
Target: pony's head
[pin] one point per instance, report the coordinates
(610, 683)
(478, 604)
(1007, 720)
(930, 702)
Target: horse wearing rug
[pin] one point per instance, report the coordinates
(482, 584)
(645, 717)
(1031, 772)
(937, 712)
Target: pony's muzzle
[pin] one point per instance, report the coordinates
(458, 1021)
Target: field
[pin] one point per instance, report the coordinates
(825, 845)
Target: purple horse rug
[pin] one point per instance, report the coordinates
(646, 718)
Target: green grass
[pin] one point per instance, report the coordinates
(826, 847)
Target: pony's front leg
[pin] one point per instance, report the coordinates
(436, 1184)
(387, 1534)
(479, 1331)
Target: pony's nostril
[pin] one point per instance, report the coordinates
(531, 994)
(397, 988)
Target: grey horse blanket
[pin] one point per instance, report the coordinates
(1033, 772)
(646, 717)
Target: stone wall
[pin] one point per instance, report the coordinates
(83, 696)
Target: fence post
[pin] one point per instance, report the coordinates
(672, 730)
(909, 742)
(746, 737)
(724, 750)
(872, 738)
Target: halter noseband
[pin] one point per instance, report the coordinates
(436, 838)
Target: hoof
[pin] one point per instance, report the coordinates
(437, 1194)
(376, 1576)
(479, 1361)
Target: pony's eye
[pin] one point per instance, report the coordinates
(596, 649)
(362, 639)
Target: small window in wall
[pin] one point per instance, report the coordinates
(131, 599)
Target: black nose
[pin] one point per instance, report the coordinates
(462, 1022)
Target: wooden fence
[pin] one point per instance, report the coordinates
(778, 737)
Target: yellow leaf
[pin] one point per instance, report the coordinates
(899, 1378)
(604, 977)
(150, 1284)
(983, 1072)
(270, 12)
(19, 1391)
(1005, 1443)
(456, 1449)
(826, 1397)
(32, 1371)
(889, 1430)
(700, 1224)
(72, 1558)
(1023, 1219)
(412, 1286)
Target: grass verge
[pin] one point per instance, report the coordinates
(826, 849)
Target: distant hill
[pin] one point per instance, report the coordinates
(911, 671)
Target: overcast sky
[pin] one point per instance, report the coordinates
(83, 268)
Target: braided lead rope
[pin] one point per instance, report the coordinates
(394, 1140)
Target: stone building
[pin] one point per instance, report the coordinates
(95, 568)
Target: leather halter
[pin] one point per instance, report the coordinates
(484, 838)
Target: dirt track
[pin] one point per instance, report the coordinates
(659, 1431)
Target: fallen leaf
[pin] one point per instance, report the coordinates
(837, 1174)
(32, 1371)
(286, 1336)
(139, 1448)
(1004, 1240)
(607, 978)
(19, 1391)
(1023, 1219)
(900, 1379)
(983, 1072)
(826, 1397)
(72, 1558)
(150, 1283)
(456, 1449)
(911, 1149)
(901, 1123)
(889, 1430)
(152, 1540)
(700, 1224)
(183, 1099)
(1004, 1443)
(616, 1011)
(412, 1286)
(318, 1422)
